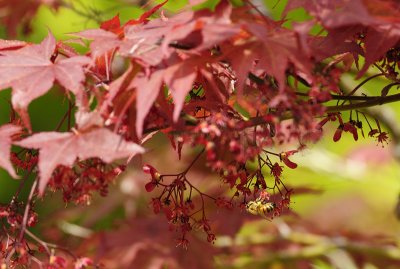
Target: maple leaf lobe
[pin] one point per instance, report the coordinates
(64, 148)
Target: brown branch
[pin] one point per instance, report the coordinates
(377, 101)
(370, 101)
(193, 162)
(345, 97)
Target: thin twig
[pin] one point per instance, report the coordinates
(26, 213)
(192, 163)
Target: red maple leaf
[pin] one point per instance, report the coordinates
(102, 50)
(273, 51)
(11, 44)
(31, 73)
(146, 95)
(103, 41)
(344, 20)
(187, 31)
(6, 132)
(108, 38)
(64, 148)
(179, 78)
(114, 24)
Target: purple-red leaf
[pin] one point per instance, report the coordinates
(63, 149)
(31, 73)
(103, 41)
(11, 44)
(180, 78)
(147, 92)
(6, 132)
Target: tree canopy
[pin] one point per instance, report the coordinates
(235, 93)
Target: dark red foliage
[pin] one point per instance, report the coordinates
(243, 90)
